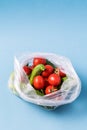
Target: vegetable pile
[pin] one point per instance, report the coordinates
(44, 76)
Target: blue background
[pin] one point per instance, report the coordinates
(57, 26)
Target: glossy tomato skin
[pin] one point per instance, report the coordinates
(37, 61)
(45, 73)
(48, 70)
(62, 74)
(39, 82)
(50, 89)
(54, 79)
(27, 69)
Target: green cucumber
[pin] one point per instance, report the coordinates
(36, 71)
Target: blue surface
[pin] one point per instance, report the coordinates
(58, 26)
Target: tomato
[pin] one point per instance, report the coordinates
(45, 73)
(50, 89)
(27, 70)
(62, 74)
(48, 70)
(39, 82)
(37, 61)
(46, 82)
(31, 67)
(54, 79)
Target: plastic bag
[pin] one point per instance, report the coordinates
(19, 83)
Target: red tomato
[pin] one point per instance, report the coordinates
(39, 82)
(31, 67)
(45, 73)
(54, 79)
(48, 70)
(50, 89)
(46, 82)
(37, 61)
(27, 70)
(62, 74)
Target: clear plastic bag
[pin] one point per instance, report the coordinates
(19, 83)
